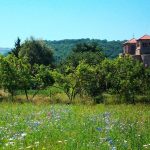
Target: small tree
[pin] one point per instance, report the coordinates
(41, 78)
(145, 83)
(16, 50)
(23, 69)
(9, 75)
(91, 81)
(17, 74)
(68, 82)
(127, 78)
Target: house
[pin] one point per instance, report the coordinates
(138, 49)
(130, 47)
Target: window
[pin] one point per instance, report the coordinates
(133, 47)
(144, 44)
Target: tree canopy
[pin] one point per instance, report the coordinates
(16, 50)
(64, 48)
(37, 52)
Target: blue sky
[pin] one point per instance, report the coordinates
(72, 19)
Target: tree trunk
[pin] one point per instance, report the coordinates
(26, 93)
(12, 96)
(133, 100)
(35, 94)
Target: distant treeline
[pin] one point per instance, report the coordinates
(63, 48)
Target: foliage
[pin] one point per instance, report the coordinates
(91, 81)
(37, 52)
(85, 72)
(89, 53)
(63, 48)
(86, 47)
(16, 50)
(41, 78)
(123, 76)
(18, 74)
(74, 59)
(68, 82)
(9, 76)
(126, 77)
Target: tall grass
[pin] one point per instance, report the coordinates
(74, 127)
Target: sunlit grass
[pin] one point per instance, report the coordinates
(69, 127)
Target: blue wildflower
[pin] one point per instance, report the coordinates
(99, 129)
(36, 123)
(110, 141)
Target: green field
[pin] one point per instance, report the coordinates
(74, 127)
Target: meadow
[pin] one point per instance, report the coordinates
(74, 127)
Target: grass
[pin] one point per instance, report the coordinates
(46, 92)
(74, 127)
(55, 94)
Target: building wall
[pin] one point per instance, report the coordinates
(129, 49)
(146, 59)
(138, 51)
(143, 46)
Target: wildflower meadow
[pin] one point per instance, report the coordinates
(74, 127)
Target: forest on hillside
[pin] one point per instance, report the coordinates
(63, 48)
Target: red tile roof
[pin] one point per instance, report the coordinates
(132, 41)
(145, 37)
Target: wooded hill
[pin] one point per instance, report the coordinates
(63, 48)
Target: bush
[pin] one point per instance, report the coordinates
(98, 99)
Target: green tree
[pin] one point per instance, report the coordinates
(91, 81)
(127, 78)
(9, 76)
(37, 52)
(69, 82)
(87, 47)
(23, 69)
(17, 74)
(146, 81)
(16, 50)
(107, 70)
(92, 54)
(41, 78)
(79, 71)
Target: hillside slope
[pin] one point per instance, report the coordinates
(63, 48)
(4, 51)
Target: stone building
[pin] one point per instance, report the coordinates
(130, 47)
(138, 49)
